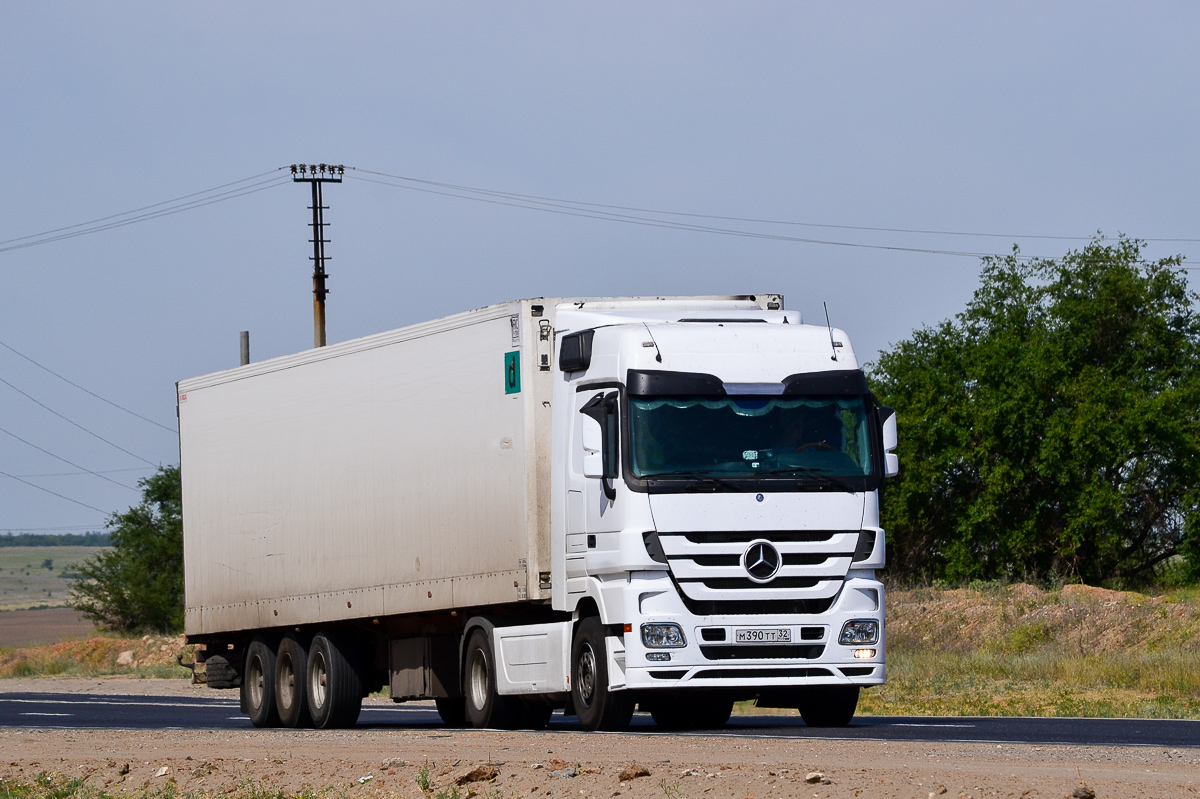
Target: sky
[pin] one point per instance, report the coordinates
(1023, 120)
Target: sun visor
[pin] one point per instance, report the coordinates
(651, 382)
(842, 381)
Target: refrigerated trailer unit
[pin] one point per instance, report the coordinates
(587, 504)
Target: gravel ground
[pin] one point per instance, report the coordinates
(568, 766)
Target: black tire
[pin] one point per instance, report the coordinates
(535, 715)
(484, 707)
(291, 683)
(258, 684)
(453, 710)
(596, 707)
(829, 705)
(334, 687)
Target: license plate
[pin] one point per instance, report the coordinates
(763, 635)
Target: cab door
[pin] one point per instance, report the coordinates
(594, 466)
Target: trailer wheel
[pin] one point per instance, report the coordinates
(829, 705)
(291, 671)
(596, 707)
(484, 706)
(453, 710)
(258, 685)
(335, 687)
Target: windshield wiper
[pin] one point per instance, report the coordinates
(809, 471)
(704, 478)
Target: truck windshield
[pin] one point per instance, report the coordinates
(749, 436)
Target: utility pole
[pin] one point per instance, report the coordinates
(316, 174)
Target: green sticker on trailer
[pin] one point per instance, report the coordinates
(512, 372)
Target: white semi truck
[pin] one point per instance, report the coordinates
(589, 504)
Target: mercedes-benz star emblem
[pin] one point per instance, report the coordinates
(761, 561)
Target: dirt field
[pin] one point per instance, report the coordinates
(681, 767)
(45, 626)
(542, 765)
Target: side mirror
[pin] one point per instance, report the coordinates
(593, 462)
(601, 444)
(887, 426)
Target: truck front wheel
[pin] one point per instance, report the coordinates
(484, 706)
(258, 684)
(829, 705)
(596, 707)
(335, 687)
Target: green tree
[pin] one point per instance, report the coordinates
(1050, 429)
(137, 585)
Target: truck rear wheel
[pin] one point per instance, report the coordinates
(291, 671)
(596, 707)
(258, 684)
(335, 687)
(829, 705)
(484, 706)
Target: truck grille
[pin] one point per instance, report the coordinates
(801, 571)
(760, 652)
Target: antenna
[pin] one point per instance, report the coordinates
(832, 343)
(657, 351)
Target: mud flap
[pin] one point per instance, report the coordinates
(615, 647)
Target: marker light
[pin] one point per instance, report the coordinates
(859, 631)
(863, 654)
(660, 656)
(663, 636)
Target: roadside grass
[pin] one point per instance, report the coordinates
(145, 657)
(1017, 650)
(1048, 683)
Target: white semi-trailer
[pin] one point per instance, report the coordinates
(587, 504)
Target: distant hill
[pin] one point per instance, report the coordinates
(65, 540)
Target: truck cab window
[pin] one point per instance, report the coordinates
(750, 436)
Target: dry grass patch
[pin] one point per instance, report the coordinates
(1020, 650)
(148, 656)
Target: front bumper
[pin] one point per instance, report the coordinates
(811, 657)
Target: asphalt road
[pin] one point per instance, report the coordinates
(73, 711)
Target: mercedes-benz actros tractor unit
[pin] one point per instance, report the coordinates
(594, 504)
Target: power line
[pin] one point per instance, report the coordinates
(84, 390)
(864, 228)
(61, 458)
(85, 471)
(76, 424)
(55, 493)
(66, 529)
(143, 208)
(46, 237)
(548, 207)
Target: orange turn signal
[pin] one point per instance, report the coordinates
(628, 628)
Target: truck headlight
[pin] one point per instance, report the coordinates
(859, 631)
(663, 636)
